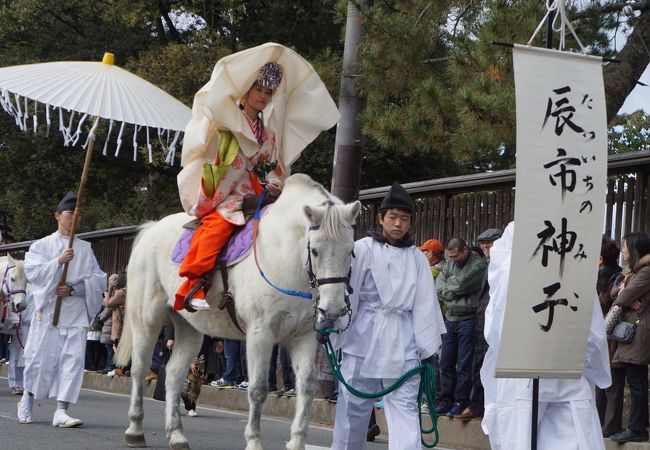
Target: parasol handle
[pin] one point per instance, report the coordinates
(75, 218)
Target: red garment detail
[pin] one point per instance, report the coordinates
(207, 242)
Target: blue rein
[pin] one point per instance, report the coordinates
(256, 218)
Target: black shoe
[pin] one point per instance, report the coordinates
(373, 432)
(607, 434)
(628, 435)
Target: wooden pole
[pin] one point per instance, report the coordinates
(75, 217)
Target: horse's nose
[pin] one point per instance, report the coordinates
(324, 315)
(20, 307)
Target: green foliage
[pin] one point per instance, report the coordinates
(440, 97)
(629, 133)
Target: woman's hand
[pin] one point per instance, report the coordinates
(274, 186)
(636, 305)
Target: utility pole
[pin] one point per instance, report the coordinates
(348, 148)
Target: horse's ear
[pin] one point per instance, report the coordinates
(315, 215)
(352, 211)
(10, 259)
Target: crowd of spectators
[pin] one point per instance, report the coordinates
(460, 273)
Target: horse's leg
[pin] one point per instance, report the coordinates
(187, 343)
(302, 351)
(142, 330)
(259, 344)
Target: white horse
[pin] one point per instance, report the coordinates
(12, 292)
(306, 227)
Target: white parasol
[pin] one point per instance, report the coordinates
(300, 110)
(91, 91)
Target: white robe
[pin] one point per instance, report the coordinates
(54, 356)
(396, 322)
(568, 418)
(403, 321)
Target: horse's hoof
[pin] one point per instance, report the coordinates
(135, 440)
(292, 445)
(178, 441)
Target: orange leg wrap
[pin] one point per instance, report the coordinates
(207, 242)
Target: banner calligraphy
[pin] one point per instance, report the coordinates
(559, 210)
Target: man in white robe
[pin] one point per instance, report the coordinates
(54, 356)
(568, 418)
(396, 325)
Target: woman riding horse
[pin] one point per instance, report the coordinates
(245, 163)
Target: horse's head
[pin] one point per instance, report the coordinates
(330, 245)
(14, 282)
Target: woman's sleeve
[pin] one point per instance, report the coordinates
(636, 287)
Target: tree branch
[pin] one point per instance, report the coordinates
(609, 8)
(620, 79)
(163, 7)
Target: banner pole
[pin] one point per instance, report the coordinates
(535, 412)
(533, 432)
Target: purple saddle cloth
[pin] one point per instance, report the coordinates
(239, 246)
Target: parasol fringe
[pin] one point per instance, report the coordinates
(108, 137)
(149, 149)
(77, 133)
(135, 141)
(47, 120)
(18, 107)
(19, 113)
(35, 116)
(119, 140)
(26, 115)
(172, 148)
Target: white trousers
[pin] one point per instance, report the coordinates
(353, 413)
(16, 357)
(54, 361)
(570, 425)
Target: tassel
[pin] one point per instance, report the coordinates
(149, 147)
(47, 120)
(119, 140)
(108, 137)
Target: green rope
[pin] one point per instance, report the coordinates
(427, 387)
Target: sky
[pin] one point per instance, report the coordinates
(640, 96)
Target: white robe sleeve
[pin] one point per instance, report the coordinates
(43, 272)
(428, 323)
(95, 284)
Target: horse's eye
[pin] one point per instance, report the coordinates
(13, 280)
(314, 253)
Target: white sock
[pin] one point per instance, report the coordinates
(27, 400)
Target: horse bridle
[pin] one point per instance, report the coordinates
(316, 282)
(6, 292)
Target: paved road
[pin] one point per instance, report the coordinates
(105, 419)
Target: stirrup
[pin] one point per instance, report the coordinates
(190, 295)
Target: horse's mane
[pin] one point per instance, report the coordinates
(332, 225)
(20, 265)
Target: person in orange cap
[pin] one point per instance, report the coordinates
(434, 250)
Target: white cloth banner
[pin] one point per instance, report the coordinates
(559, 209)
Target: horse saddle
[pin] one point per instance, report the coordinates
(237, 247)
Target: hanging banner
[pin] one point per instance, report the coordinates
(559, 209)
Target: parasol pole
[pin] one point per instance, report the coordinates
(76, 214)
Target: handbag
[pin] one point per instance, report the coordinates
(613, 317)
(623, 332)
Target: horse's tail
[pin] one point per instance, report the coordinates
(125, 346)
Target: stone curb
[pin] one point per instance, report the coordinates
(453, 433)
